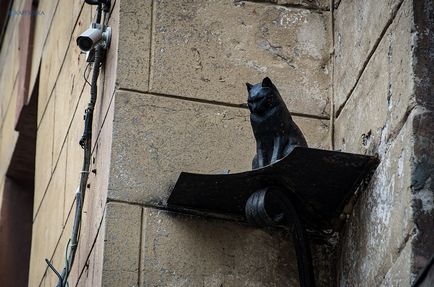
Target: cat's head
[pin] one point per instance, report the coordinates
(262, 97)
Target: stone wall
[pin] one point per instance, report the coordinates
(62, 99)
(181, 106)
(381, 87)
(172, 95)
(172, 98)
(63, 96)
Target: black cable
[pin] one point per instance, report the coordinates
(98, 13)
(111, 11)
(84, 75)
(86, 144)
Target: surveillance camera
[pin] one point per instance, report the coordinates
(93, 36)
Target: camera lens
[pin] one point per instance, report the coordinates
(85, 43)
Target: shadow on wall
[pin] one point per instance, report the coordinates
(17, 203)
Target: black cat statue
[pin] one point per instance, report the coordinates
(275, 132)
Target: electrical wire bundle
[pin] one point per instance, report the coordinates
(86, 144)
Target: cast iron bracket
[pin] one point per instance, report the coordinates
(306, 189)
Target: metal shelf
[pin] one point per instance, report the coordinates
(306, 189)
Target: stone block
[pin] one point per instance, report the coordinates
(109, 73)
(96, 197)
(423, 187)
(379, 118)
(75, 153)
(54, 52)
(48, 223)
(383, 98)
(74, 104)
(87, 266)
(122, 237)
(382, 220)
(197, 53)
(133, 60)
(44, 155)
(96, 194)
(73, 126)
(69, 86)
(76, 57)
(61, 123)
(42, 28)
(9, 61)
(423, 50)
(103, 108)
(155, 138)
(9, 79)
(92, 275)
(78, 7)
(358, 27)
(58, 256)
(400, 273)
(180, 250)
(8, 137)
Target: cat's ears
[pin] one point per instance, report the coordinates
(249, 86)
(266, 83)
